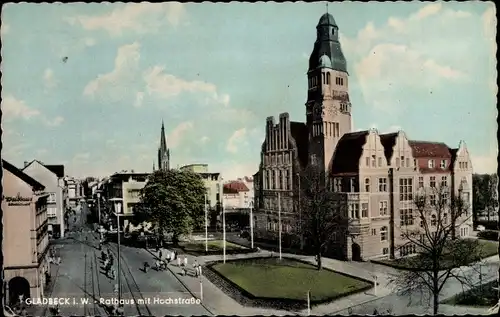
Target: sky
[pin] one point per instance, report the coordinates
(88, 85)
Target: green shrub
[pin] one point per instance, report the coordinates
(488, 235)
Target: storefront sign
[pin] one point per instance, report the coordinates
(18, 200)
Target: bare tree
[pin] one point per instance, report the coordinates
(439, 257)
(324, 215)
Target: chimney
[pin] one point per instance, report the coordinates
(25, 163)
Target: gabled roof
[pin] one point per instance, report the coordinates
(300, 133)
(56, 169)
(235, 187)
(348, 152)
(23, 176)
(388, 141)
(423, 149)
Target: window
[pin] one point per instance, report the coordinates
(280, 179)
(269, 225)
(420, 182)
(407, 162)
(374, 232)
(443, 164)
(432, 182)
(275, 225)
(367, 185)
(415, 162)
(397, 161)
(405, 189)
(382, 184)
(364, 210)
(444, 181)
(338, 184)
(353, 184)
(464, 232)
(402, 161)
(432, 199)
(273, 180)
(379, 162)
(367, 162)
(406, 217)
(431, 163)
(354, 210)
(383, 234)
(287, 180)
(433, 220)
(328, 78)
(383, 208)
(374, 161)
(385, 251)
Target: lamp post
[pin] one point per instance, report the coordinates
(300, 215)
(279, 221)
(206, 225)
(223, 224)
(118, 210)
(99, 206)
(251, 224)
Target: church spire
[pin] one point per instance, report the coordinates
(163, 140)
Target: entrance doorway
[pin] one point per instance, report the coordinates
(18, 286)
(356, 252)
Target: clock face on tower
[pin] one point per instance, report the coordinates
(331, 110)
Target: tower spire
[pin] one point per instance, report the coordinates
(327, 7)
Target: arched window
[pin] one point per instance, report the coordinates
(269, 224)
(433, 220)
(367, 185)
(383, 234)
(323, 77)
(275, 225)
(328, 78)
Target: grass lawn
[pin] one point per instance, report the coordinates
(287, 279)
(484, 296)
(488, 248)
(213, 246)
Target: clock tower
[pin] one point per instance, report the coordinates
(328, 107)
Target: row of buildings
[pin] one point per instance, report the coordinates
(376, 174)
(34, 204)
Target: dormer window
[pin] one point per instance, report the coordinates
(402, 161)
(443, 164)
(431, 163)
(374, 161)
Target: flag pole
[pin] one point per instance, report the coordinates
(279, 220)
(206, 225)
(223, 227)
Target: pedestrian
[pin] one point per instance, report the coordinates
(168, 256)
(195, 266)
(113, 274)
(146, 265)
(185, 261)
(198, 271)
(176, 255)
(179, 262)
(158, 265)
(160, 254)
(58, 260)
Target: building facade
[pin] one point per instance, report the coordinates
(52, 177)
(163, 151)
(75, 191)
(125, 186)
(25, 235)
(376, 174)
(212, 181)
(236, 195)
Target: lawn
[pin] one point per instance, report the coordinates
(288, 279)
(213, 246)
(488, 248)
(485, 296)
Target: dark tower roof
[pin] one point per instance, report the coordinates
(163, 140)
(327, 43)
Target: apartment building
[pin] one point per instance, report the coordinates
(125, 186)
(212, 181)
(236, 195)
(52, 177)
(25, 235)
(376, 175)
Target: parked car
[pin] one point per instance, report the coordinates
(480, 228)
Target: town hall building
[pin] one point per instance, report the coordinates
(376, 173)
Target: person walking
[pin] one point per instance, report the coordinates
(195, 266)
(160, 254)
(185, 261)
(179, 262)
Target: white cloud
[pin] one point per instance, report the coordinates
(49, 79)
(176, 135)
(14, 108)
(139, 97)
(80, 158)
(236, 140)
(428, 10)
(141, 18)
(167, 86)
(484, 164)
(4, 29)
(57, 121)
(115, 82)
(204, 139)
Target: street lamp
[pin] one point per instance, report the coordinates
(206, 225)
(99, 206)
(118, 210)
(223, 224)
(300, 215)
(251, 224)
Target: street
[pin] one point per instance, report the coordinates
(81, 278)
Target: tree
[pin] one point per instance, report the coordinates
(484, 194)
(173, 200)
(323, 211)
(440, 257)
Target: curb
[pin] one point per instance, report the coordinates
(183, 284)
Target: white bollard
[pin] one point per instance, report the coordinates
(375, 285)
(309, 303)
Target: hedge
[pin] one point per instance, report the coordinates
(488, 235)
